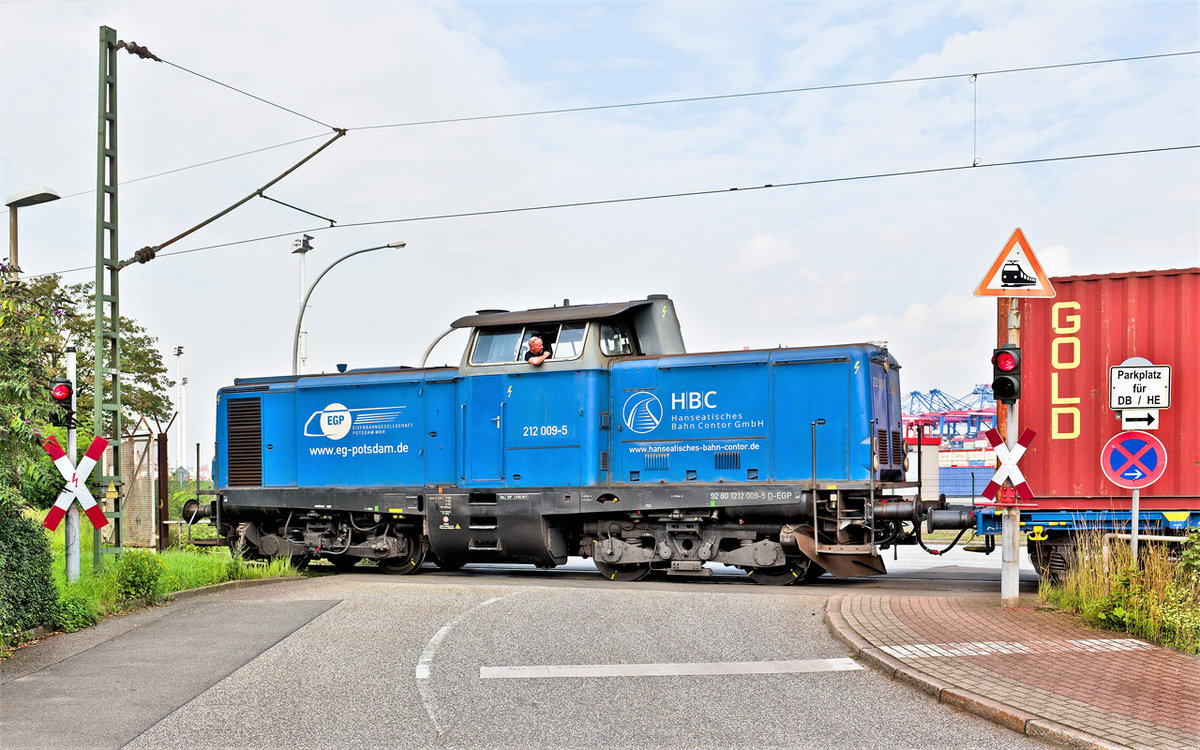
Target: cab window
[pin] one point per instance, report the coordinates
(615, 340)
(570, 341)
(496, 346)
(564, 341)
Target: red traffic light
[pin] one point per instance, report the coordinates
(61, 392)
(1005, 361)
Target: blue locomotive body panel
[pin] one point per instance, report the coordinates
(747, 416)
(373, 430)
(704, 418)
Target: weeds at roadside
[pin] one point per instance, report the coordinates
(1158, 600)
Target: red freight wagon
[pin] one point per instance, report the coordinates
(1068, 343)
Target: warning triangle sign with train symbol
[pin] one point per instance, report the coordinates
(1015, 273)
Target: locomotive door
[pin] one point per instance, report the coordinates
(484, 428)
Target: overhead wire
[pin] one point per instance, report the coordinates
(680, 194)
(620, 105)
(247, 93)
(773, 92)
(205, 163)
(973, 77)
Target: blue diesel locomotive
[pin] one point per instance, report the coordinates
(621, 447)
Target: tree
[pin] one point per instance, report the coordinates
(27, 594)
(39, 318)
(144, 381)
(27, 328)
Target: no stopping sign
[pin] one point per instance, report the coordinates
(1133, 460)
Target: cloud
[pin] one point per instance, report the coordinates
(1055, 260)
(765, 252)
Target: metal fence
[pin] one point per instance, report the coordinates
(964, 481)
(139, 468)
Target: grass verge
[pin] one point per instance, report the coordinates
(1158, 599)
(140, 577)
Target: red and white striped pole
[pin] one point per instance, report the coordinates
(71, 532)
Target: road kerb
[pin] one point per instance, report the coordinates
(239, 584)
(836, 623)
(921, 681)
(994, 711)
(880, 661)
(1050, 731)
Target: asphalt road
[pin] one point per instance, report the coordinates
(513, 659)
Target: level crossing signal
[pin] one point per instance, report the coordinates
(61, 412)
(1006, 373)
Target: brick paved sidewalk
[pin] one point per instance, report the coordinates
(1041, 673)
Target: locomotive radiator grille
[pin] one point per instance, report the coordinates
(881, 446)
(658, 461)
(245, 442)
(897, 448)
(728, 460)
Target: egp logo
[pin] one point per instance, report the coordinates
(642, 412)
(334, 421)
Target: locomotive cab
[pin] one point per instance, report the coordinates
(579, 337)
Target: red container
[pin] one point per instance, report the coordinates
(1068, 342)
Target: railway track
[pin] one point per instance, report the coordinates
(937, 577)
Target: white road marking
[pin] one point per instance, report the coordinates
(663, 670)
(427, 654)
(986, 648)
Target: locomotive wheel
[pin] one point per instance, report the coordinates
(630, 572)
(796, 570)
(343, 563)
(240, 546)
(405, 564)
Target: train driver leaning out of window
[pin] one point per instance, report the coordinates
(538, 352)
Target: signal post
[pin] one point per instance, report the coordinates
(71, 532)
(1015, 273)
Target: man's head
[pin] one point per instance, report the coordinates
(535, 345)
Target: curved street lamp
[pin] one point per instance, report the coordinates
(304, 303)
(21, 200)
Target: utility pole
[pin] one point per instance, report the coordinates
(107, 331)
(301, 247)
(179, 405)
(183, 417)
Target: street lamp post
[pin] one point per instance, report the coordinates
(304, 303)
(301, 247)
(178, 406)
(20, 200)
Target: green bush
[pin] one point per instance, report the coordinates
(75, 611)
(1189, 555)
(40, 483)
(138, 573)
(27, 594)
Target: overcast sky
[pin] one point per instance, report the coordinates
(889, 259)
